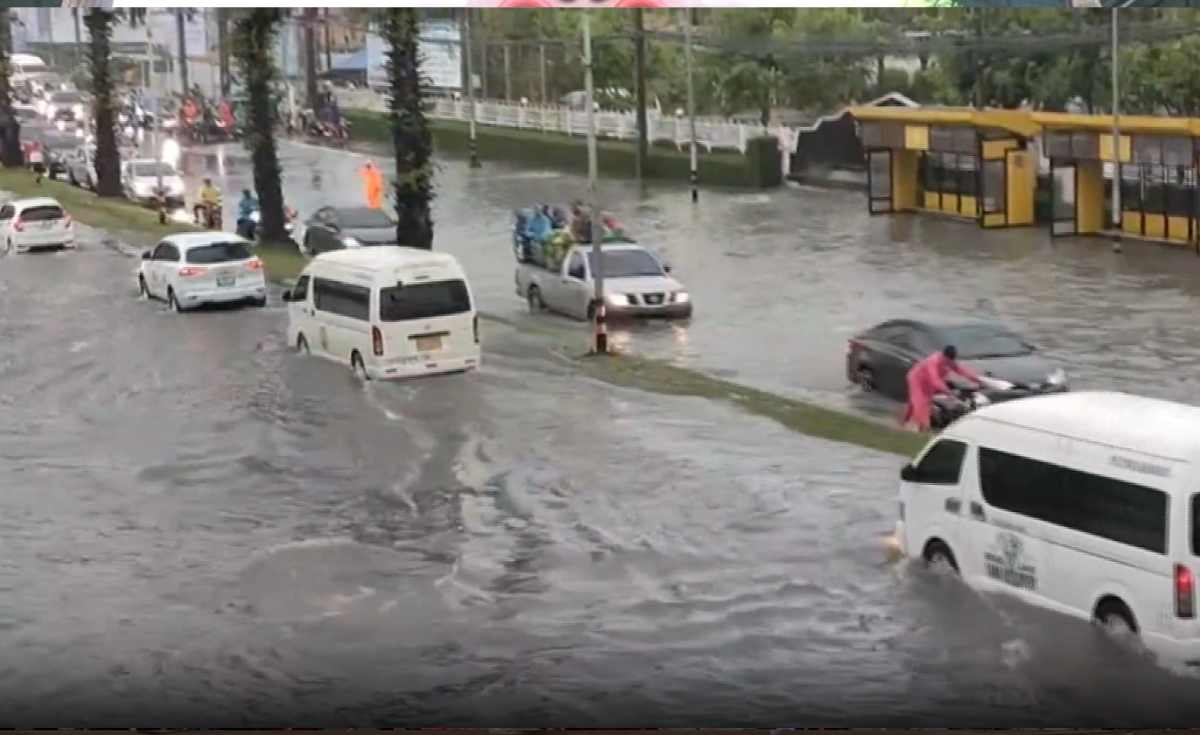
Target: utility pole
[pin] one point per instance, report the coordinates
(223, 49)
(78, 37)
(181, 27)
(643, 149)
(691, 101)
(597, 252)
(542, 67)
(310, 56)
(472, 144)
(1116, 138)
(507, 71)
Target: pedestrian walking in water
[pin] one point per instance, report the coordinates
(373, 182)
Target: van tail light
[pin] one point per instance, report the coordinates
(66, 220)
(191, 272)
(1185, 592)
(475, 326)
(377, 341)
(254, 264)
(18, 225)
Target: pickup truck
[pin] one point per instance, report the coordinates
(636, 284)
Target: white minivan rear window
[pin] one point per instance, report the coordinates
(423, 301)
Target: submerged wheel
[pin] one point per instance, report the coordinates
(143, 292)
(866, 379)
(359, 367)
(302, 345)
(939, 557)
(534, 297)
(172, 302)
(1115, 619)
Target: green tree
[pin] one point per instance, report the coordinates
(411, 137)
(254, 48)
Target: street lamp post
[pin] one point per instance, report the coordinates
(691, 101)
(597, 252)
(1116, 140)
(472, 145)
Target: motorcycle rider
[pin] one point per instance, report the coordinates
(246, 209)
(210, 200)
(928, 378)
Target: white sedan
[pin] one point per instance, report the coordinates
(192, 269)
(39, 223)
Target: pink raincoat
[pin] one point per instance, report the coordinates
(926, 379)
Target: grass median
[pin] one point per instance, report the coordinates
(137, 224)
(806, 418)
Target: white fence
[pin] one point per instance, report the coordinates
(711, 134)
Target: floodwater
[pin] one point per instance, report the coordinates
(201, 528)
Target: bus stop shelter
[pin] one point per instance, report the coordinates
(974, 164)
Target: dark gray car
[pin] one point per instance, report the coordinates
(335, 228)
(879, 358)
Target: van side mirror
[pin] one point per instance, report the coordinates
(146, 255)
(908, 473)
(289, 295)
(666, 267)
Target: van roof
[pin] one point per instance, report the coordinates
(1146, 425)
(386, 256)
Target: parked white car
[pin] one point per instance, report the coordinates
(192, 269)
(39, 223)
(139, 180)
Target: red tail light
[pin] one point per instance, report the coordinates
(191, 272)
(475, 326)
(18, 225)
(1185, 592)
(254, 264)
(377, 341)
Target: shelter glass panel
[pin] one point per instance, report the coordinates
(1058, 145)
(1085, 146)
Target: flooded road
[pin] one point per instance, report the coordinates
(201, 528)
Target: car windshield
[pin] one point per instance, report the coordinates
(983, 341)
(221, 252)
(363, 217)
(626, 264)
(423, 301)
(142, 170)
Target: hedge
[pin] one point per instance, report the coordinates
(615, 158)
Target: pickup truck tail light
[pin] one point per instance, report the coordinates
(377, 341)
(1185, 593)
(254, 264)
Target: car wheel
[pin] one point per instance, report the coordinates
(302, 345)
(143, 292)
(535, 299)
(938, 557)
(866, 379)
(1115, 620)
(591, 312)
(260, 303)
(359, 367)
(172, 302)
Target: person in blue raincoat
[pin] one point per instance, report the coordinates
(539, 227)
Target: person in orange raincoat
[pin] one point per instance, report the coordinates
(373, 180)
(928, 378)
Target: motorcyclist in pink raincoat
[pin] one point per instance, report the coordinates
(928, 378)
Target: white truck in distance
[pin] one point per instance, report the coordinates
(636, 284)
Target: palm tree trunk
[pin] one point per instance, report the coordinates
(223, 49)
(181, 28)
(310, 56)
(254, 47)
(410, 131)
(108, 156)
(10, 128)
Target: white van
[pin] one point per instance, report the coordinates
(387, 312)
(1084, 503)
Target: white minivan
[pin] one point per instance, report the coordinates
(1085, 503)
(387, 312)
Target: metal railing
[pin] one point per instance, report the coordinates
(711, 133)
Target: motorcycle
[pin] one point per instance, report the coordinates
(212, 216)
(248, 227)
(960, 401)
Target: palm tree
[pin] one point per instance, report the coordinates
(254, 48)
(10, 129)
(108, 156)
(410, 130)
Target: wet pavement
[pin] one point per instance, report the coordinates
(202, 528)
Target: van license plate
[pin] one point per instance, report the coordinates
(429, 344)
(225, 280)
